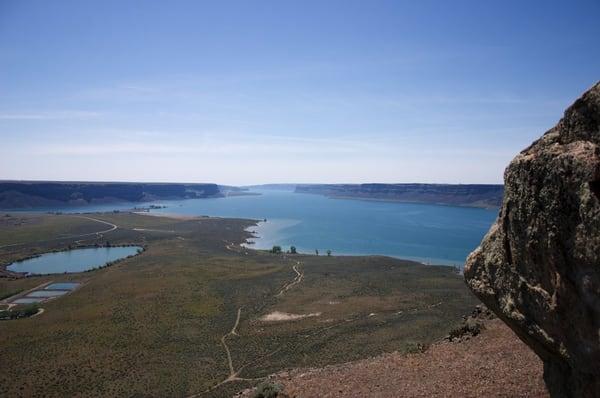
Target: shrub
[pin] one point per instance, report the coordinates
(268, 390)
(415, 348)
(276, 249)
(470, 327)
(24, 312)
(10, 294)
(293, 249)
(329, 253)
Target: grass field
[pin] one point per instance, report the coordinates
(160, 323)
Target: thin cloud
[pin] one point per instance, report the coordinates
(49, 115)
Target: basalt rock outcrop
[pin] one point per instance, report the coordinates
(538, 268)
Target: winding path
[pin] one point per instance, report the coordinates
(234, 374)
(166, 231)
(112, 228)
(297, 280)
(232, 332)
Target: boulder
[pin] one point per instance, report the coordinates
(538, 268)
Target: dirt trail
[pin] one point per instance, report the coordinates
(233, 374)
(297, 280)
(99, 233)
(112, 228)
(40, 312)
(232, 332)
(166, 231)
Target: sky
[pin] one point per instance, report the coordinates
(248, 92)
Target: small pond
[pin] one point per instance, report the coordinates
(62, 286)
(28, 300)
(77, 260)
(47, 293)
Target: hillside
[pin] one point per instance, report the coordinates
(17, 194)
(495, 363)
(475, 195)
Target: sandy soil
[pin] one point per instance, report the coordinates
(169, 215)
(493, 364)
(277, 316)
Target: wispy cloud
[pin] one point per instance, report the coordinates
(144, 144)
(206, 146)
(49, 115)
(131, 92)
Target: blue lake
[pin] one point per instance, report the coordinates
(428, 233)
(433, 234)
(77, 260)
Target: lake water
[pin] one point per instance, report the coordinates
(433, 234)
(77, 260)
(428, 233)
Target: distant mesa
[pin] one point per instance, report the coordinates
(473, 195)
(30, 194)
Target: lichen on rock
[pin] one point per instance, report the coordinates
(538, 268)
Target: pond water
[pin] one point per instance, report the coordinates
(62, 286)
(77, 260)
(29, 300)
(47, 293)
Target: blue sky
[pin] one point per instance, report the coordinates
(285, 91)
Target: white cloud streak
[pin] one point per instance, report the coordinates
(49, 115)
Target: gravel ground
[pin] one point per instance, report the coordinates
(493, 364)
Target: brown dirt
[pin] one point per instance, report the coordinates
(493, 364)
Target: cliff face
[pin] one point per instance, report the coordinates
(35, 194)
(538, 267)
(475, 195)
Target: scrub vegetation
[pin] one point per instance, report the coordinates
(195, 314)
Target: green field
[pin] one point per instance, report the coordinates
(154, 324)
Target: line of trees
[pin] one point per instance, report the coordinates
(276, 249)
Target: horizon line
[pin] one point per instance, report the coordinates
(236, 185)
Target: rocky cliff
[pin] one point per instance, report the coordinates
(473, 195)
(31, 194)
(538, 267)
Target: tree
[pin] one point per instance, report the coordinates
(276, 249)
(329, 253)
(293, 249)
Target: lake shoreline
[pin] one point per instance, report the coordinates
(254, 243)
(30, 262)
(423, 232)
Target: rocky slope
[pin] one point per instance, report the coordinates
(494, 363)
(538, 267)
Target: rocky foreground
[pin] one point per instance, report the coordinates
(539, 266)
(493, 363)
